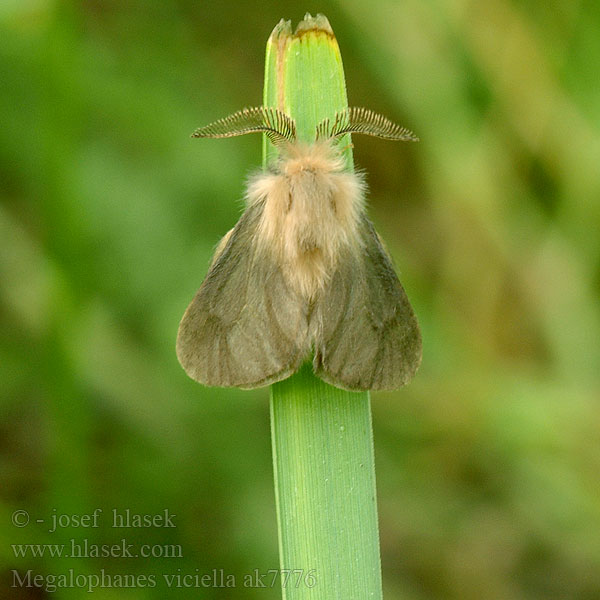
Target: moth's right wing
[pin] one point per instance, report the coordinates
(368, 335)
(245, 327)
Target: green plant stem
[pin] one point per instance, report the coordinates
(322, 436)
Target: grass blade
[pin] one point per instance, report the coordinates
(322, 436)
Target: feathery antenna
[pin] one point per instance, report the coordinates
(363, 120)
(276, 124)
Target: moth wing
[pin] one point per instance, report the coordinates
(368, 336)
(244, 327)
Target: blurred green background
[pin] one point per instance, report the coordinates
(488, 464)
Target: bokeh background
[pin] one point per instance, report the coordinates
(488, 464)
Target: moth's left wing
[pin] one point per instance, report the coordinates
(245, 327)
(367, 333)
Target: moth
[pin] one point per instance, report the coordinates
(303, 273)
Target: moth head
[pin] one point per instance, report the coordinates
(281, 128)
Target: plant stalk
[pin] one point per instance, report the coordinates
(322, 436)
